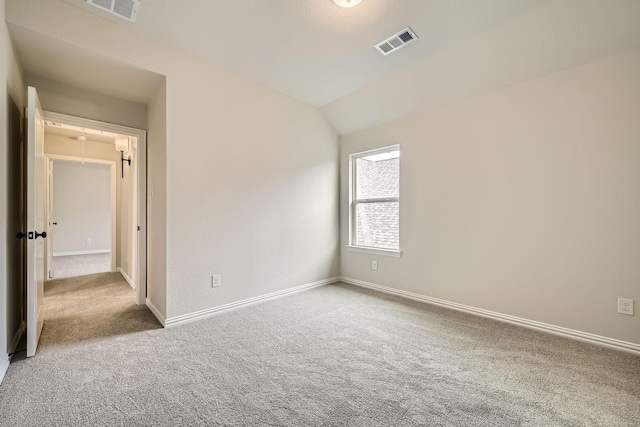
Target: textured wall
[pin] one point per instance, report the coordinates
(81, 207)
(157, 201)
(65, 99)
(523, 202)
(252, 181)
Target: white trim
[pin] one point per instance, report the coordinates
(96, 251)
(375, 150)
(16, 338)
(375, 251)
(4, 366)
(353, 200)
(126, 277)
(93, 124)
(156, 312)
(190, 317)
(140, 226)
(531, 324)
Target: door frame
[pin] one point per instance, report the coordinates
(113, 204)
(140, 158)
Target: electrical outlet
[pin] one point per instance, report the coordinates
(374, 265)
(215, 280)
(625, 306)
(88, 240)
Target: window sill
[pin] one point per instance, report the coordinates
(375, 251)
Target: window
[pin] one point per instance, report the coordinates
(375, 200)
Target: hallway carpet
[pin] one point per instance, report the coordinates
(330, 356)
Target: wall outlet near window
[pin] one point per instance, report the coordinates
(374, 265)
(88, 240)
(625, 306)
(215, 280)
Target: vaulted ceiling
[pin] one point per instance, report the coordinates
(324, 55)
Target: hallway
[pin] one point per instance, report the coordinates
(90, 308)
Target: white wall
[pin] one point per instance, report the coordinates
(251, 175)
(11, 76)
(251, 190)
(81, 207)
(523, 202)
(65, 99)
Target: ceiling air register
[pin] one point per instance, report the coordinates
(127, 9)
(397, 41)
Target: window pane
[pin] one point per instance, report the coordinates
(377, 225)
(377, 178)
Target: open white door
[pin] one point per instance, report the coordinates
(35, 220)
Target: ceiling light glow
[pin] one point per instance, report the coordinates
(347, 3)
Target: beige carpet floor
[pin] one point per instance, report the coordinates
(331, 356)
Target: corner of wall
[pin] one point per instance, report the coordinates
(12, 76)
(4, 366)
(156, 203)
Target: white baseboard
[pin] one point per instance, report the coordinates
(156, 312)
(531, 324)
(196, 315)
(16, 337)
(97, 251)
(126, 277)
(4, 365)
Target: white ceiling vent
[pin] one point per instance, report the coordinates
(396, 41)
(127, 9)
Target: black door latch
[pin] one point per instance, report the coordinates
(31, 235)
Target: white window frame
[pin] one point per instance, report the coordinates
(353, 203)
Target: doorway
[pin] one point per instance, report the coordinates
(81, 214)
(76, 143)
(125, 140)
